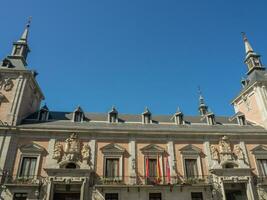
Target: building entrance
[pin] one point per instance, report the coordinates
(67, 196)
(235, 191)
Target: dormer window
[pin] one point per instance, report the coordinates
(178, 118)
(78, 115)
(113, 115)
(17, 50)
(240, 117)
(210, 119)
(241, 120)
(146, 116)
(6, 63)
(43, 113)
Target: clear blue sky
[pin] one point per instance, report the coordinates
(137, 53)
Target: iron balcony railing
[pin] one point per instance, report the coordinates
(142, 180)
(22, 180)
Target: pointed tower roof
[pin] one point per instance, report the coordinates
(178, 112)
(203, 108)
(24, 36)
(45, 107)
(78, 109)
(146, 111)
(113, 110)
(248, 47)
(252, 59)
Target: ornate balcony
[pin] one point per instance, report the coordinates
(141, 180)
(15, 180)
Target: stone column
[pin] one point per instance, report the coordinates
(132, 161)
(84, 190)
(172, 161)
(6, 141)
(50, 188)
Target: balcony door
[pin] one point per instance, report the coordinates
(67, 196)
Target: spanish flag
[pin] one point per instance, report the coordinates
(168, 171)
(158, 170)
(147, 167)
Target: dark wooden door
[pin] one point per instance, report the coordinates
(67, 196)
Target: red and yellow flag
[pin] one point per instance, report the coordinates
(168, 171)
(147, 168)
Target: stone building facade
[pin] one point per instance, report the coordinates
(111, 156)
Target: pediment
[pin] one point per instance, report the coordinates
(113, 148)
(152, 148)
(260, 149)
(32, 148)
(190, 149)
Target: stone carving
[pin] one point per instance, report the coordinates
(214, 153)
(224, 145)
(8, 85)
(225, 149)
(85, 152)
(72, 148)
(57, 153)
(239, 152)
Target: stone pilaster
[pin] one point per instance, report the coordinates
(50, 162)
(171, 159)
(92, 145)
(132, 161)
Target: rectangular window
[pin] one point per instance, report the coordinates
(152, 171)
(28, 166)
(20, 196)
(152, 163)
(154, 196)
(111, 196)
(191, 168)
(196, 196)
(17, 50)
(112, 168)
(263, 166)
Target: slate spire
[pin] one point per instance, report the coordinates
(21, 48)
(252, 59)
(203, 108)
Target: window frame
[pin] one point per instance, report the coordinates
(114, 151)
(260, 153)
(29, 155)
(119, 177)
(191, 152)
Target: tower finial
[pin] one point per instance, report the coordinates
(25, 34)
(252, 58)
(203, 108)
